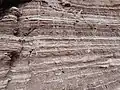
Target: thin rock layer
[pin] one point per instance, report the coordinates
(61, 45)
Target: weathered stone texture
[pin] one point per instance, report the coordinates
(61, 45)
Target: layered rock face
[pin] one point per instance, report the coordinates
(61, 45)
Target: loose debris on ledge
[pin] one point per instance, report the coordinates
(6, 4)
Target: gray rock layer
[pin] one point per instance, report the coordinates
(61, 45)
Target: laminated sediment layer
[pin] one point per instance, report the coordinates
(61, 45)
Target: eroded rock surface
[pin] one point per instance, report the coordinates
(61, 45)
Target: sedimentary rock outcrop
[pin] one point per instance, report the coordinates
(61, 45)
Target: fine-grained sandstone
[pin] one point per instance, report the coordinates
(61, 45)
